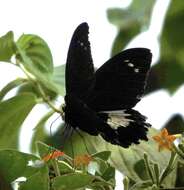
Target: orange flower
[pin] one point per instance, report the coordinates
(53, 155)
(164, 140)
(82, 160)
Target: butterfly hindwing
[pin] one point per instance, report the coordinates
(126, 126)
(121, 80)
(79, 66)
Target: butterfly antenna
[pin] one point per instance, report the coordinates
(53, 124)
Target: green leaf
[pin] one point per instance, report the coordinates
(13, 84)
(72, 181)
(46, 79)
(29, 87)
(59, 78)
(7, 47)
(12, 114)
(130, 22)
(168, 73)
(14, 164)
(38, 52)
(138, 168)
(79, 145)
(104, 155)
(123, 37)
(109, 174)
(35, 55)
(38, 181)
(39, 133)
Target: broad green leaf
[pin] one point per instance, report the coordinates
(31, 87)
(46, 79)
(13, 84)
(38, 52)
(109, 173)
(168, 73)
(15, 164)
(130, 21)
(102, 166)
(72, 181)
(38, 181)
(12, 114)
(123, 37)
(7, 47)
(76, 144)
(39, 133)
(138, 168)
(104, 155)
(59, 78)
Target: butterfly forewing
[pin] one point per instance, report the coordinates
(121, 80)
(79, 67)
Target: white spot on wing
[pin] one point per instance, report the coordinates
(118, 118)
(136, 70)
(126, 61)
(139, 97)
(130, 64)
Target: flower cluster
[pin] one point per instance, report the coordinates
(82, 160)
(53, 155)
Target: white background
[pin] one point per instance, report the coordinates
(55, 22)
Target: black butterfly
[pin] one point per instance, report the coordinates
(100, 103)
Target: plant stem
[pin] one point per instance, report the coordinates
(44, 97)
(169, 167)
(178, 151)
(148, 168)
(56, 168)
(47, 100)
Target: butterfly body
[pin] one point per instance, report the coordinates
(101, 102)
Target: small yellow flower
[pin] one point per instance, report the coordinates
(82, 160)
(164, 140)
(52, 155)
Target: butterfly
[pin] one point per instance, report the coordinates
(100, 102)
